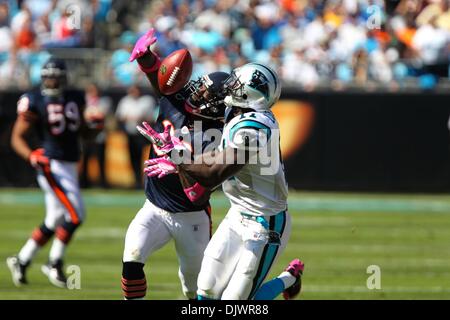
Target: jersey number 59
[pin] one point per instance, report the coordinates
(61, 117)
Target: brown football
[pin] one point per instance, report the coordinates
(174, 72)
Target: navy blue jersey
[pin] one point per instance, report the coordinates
(167, 193)
(59, 121)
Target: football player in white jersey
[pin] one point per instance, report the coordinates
(248, 165)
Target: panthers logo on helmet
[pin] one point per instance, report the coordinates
(253, 86)
(260, 82)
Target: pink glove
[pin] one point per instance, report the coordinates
(142, 47)
(160, 167)
(164, 141)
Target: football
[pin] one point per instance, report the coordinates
(174, 72)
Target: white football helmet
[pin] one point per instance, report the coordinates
(253, 86)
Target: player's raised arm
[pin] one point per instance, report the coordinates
(147, 60)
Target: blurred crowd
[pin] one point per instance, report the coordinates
(131, 110)
(311, 43)
(30, 28)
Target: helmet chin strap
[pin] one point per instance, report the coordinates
(228, 101)
(246, 105)
(231, 102)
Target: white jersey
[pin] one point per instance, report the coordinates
(260, 187)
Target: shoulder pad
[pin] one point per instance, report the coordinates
(25, 103)
(249, 134)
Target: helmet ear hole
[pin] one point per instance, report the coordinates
(244, 96)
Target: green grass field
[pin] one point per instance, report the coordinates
(337, 235)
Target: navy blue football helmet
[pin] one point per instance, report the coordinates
(206, 96)
(54, 77)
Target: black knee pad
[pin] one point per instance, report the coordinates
(70, 226)
(46, 231)
(42, 234)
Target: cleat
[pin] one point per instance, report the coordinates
(55, 274)
(17, 271)
(295, 268)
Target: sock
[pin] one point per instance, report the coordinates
(134, 284)
(270, 290)
(57, 251)
(287, 278)
(64, 234)
(38, 239)
(28, 251)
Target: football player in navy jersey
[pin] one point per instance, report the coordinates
(57, 115)
(169, 212)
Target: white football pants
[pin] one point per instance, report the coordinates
(63, 200)
(240, 255)
(153, 227)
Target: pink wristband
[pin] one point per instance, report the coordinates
(195, 192)
(153, 68)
